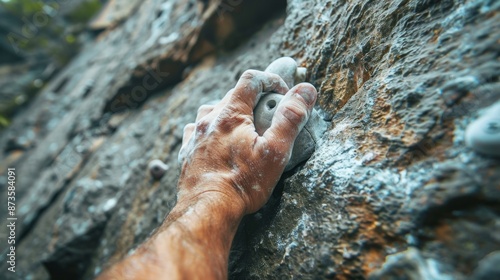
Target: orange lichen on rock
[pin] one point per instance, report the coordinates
(373, 236)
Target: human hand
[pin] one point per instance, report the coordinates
(222, 155)
(228, 170)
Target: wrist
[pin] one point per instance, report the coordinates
(208, 221)
(217, 192)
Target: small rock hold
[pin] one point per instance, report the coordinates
(286, 68)
(306, 141)
(483, 135)
(157, 168)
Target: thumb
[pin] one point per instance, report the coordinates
(291, 115)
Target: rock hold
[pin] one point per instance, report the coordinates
(309, 136)
(306, 141)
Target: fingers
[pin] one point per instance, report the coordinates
(190, 127)
(291, 115)
(249, 87)
(188, 132)
(285, 67)
(204, 110)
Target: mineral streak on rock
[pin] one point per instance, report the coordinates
(286, 68)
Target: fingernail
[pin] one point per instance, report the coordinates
(308, 93)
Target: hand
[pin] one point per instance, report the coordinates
(228, 170)
(222, 155)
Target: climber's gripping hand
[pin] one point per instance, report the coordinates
(223, 158)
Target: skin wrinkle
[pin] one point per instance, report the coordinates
(228, 170)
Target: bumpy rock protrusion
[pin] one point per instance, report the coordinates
(483, 135)
(306, 141)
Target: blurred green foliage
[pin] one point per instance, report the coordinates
(23, 7)
(84, 12)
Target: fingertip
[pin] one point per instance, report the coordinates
(189, 127)
(278, 85)
(186, 136)
(293, 112)
(308, 93)
(205, 108)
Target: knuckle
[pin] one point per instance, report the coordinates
(205, 109)
(274, 77)
(189, 127)
(295, 114)
(274, 80)
(226, 124)
(202, 127)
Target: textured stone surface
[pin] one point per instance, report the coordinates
(391, 186)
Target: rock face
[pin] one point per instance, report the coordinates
(392, 191)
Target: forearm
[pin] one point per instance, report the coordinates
(203, 230)
(192, 243)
